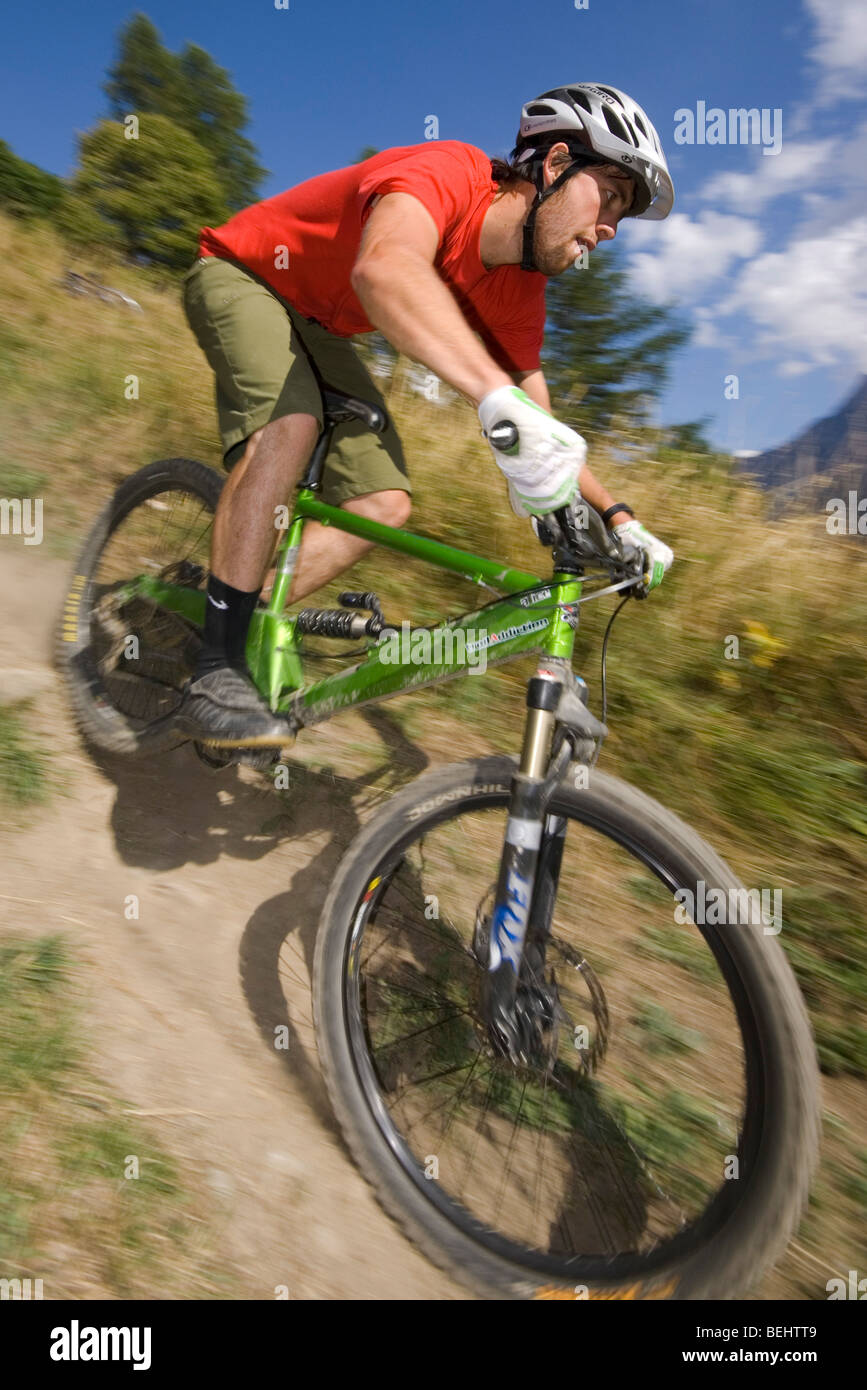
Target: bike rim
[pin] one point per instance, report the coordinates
(639, 1128)
(141, 654)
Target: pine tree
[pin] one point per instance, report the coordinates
(148, 196)
(191, 90)
(607, 352)
(145, 76)
(216, 115)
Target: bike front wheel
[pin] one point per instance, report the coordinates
(661, 1143)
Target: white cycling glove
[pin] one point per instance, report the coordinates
(540, 457)
(657, 555)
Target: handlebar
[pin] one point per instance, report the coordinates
(586, 532)
(579, 536)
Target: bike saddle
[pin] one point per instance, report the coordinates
(339, 407)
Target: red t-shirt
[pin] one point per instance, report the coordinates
(304, 243)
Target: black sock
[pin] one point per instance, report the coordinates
(227, 620)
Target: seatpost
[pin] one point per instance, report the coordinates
(313, 472)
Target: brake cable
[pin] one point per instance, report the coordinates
(605, 654)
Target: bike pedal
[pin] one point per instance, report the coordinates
(212, 755)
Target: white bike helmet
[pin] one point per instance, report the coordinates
(601, 125)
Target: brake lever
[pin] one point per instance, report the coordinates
(586, 533)
(640, 590)
(590, 542)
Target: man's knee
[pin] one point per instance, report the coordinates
(391, 507)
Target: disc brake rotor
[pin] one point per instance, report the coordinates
(540, 1004)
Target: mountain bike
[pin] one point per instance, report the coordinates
(560, 1081)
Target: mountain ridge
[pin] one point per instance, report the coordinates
(833, 448)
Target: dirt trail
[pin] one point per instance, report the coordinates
(184, 1000)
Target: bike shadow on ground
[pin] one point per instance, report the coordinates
(170, 810)
(278, 943)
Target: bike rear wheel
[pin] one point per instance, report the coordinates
(663, 1147)
(126, 661)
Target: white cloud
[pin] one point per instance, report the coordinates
(792, 368)
(686, 255)
(804, 303)
(810, 299)
(796, 169)
(707, 332)
(840, 47)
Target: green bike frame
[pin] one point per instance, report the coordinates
(533, 616)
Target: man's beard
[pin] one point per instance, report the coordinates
(549, 263)
(549, 260)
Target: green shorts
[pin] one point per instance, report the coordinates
(267, 357)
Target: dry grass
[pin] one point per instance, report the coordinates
(74, 1211)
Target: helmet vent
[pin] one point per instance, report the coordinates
(617, 127)
(598, 124)
(580, 99)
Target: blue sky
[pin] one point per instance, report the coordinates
(764, 255)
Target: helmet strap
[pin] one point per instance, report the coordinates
(536, 171)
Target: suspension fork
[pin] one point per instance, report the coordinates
(544, 894)
(529, 866)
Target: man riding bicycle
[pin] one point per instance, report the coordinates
(432, 244)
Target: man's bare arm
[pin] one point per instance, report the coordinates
(402, 295)
(535, 386)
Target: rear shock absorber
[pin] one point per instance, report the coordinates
(337, 622)
(369, 602)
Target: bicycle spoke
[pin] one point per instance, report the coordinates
(579, 1171)
(421, 1032)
